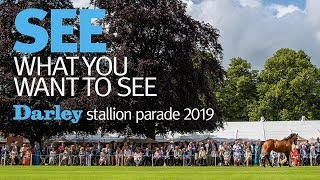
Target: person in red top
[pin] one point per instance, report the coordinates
(62, 148)
(295, 157)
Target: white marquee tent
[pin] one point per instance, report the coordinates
(258, 130)
(269, 129)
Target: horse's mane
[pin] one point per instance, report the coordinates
(290, 136)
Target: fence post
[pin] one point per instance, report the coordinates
(215, 160)
(183, 159)
(122, 160)
(59, 159)
(152, 159)
(5, 158)
(31, 159)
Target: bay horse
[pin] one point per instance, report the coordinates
(280, 146)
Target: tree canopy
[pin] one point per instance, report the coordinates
(240, 90)
(288, 87)
(158, 38)
(34, 130)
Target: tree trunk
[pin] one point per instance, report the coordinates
(151, 130)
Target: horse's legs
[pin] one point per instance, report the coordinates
(288, 160)
(263, 161)
(279, 159)
(268, 157)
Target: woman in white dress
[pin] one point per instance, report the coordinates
(13, 156)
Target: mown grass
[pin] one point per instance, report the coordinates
(103, 172)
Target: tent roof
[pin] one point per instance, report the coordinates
(269, 129)
(257, 130)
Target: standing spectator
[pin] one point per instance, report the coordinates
(256, 153)
(15, 145)
(4, 153)
(202, 156)
(74, 153)
(52, 156)
(226, 156)
(221, 151)
(317, 146)
(295, 157)
(237, 157)
(208, 151)
(36, 153)
(23, 150)
(313, 154)
(113, 148)
(177, 156)
(49, 148)
(103, 155)
(127, 155)
(213, 158)
(88, 155)
(248, 156)
(82, 156)
(191, 152)
(188, 156)
(118, 156)
(62, 148)
(167, 157)
(108, 154)
(273, 157)
(65, 156)
(27, 157)
(147, 157)
(172, 145)
(157, 157)
(13, 155)
(43, 155)
(304, 155)
(137, 156)
(132, 146)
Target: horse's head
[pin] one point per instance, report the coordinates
(294, 137)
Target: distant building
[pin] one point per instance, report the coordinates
(8, 140)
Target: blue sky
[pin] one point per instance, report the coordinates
(299, 3)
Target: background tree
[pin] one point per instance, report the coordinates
(239, 91)
(289, 88)
(35, 130)
(161, 41)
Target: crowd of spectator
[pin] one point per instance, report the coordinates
(210, 153)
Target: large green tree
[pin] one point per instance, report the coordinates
(161, 40)
(289, 88)
(239, 91)
(36, 130)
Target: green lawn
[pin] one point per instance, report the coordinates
(194, 173)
